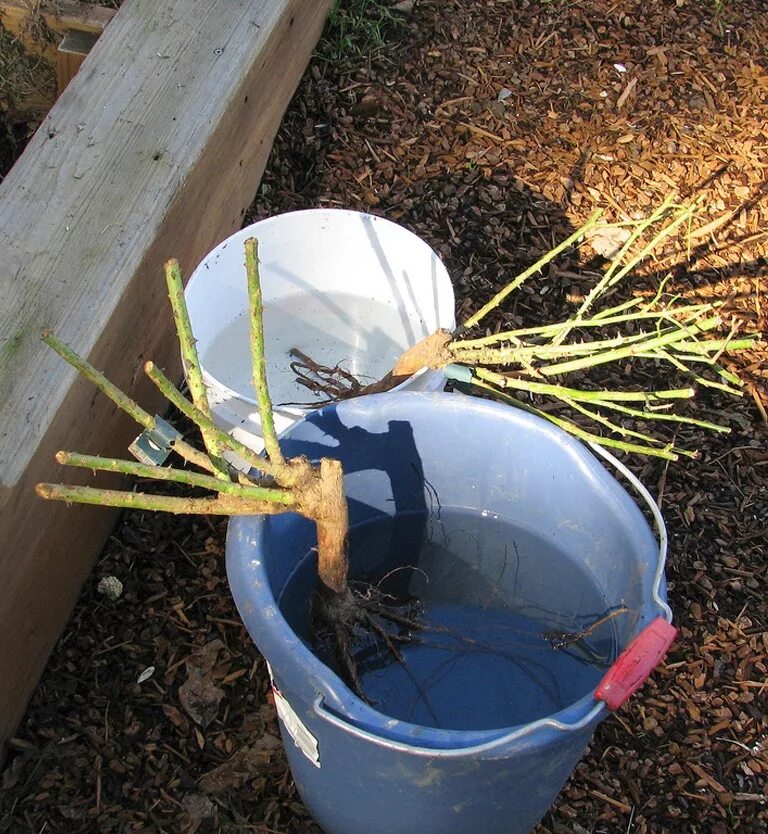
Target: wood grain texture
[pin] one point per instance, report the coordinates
(63, 18)
(154, 150)
(59, 16)
(67, 66)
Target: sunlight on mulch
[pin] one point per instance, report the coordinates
(491, 129)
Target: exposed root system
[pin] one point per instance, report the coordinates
(343, 624)
(562, 639)
(336, 384)
(333, 383)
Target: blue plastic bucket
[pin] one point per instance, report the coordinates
(360, 770)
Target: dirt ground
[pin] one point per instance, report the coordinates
(491, 128)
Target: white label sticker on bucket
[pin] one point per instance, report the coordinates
(296, 728)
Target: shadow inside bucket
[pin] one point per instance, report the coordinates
(496, 601)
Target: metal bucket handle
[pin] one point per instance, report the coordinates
(625, 676)
(661, 529)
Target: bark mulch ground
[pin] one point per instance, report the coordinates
(491, 128)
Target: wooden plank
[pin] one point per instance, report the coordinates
(74, 46)
(60, 16)
(67, 66)
(76, 42)
(154, 150)
(64, 19)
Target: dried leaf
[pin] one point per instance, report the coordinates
(197, 808)
(200, 696)
(205, 658)
(244, 765)
(173, 715)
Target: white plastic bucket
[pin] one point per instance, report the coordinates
(341, 286)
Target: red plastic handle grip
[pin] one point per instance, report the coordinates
(632, 667)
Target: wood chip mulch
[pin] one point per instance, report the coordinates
(491, 128)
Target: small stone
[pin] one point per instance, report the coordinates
(111, 587)
(498, 108)
(608, 242)
(697, 102)
(146, 674)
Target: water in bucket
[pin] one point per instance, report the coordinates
(496, 646)
(361, 335)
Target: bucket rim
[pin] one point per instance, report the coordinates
(240, 236)
(364, 720)
(333, 697)
(294, 410)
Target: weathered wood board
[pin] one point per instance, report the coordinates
(61, 32)
(155, 150)
(60, 16)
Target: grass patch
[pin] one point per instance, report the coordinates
(23, 77)
(357, 27)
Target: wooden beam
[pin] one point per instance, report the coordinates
(154, 150)
(61, 16)
(74, 46)
(74, 27)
